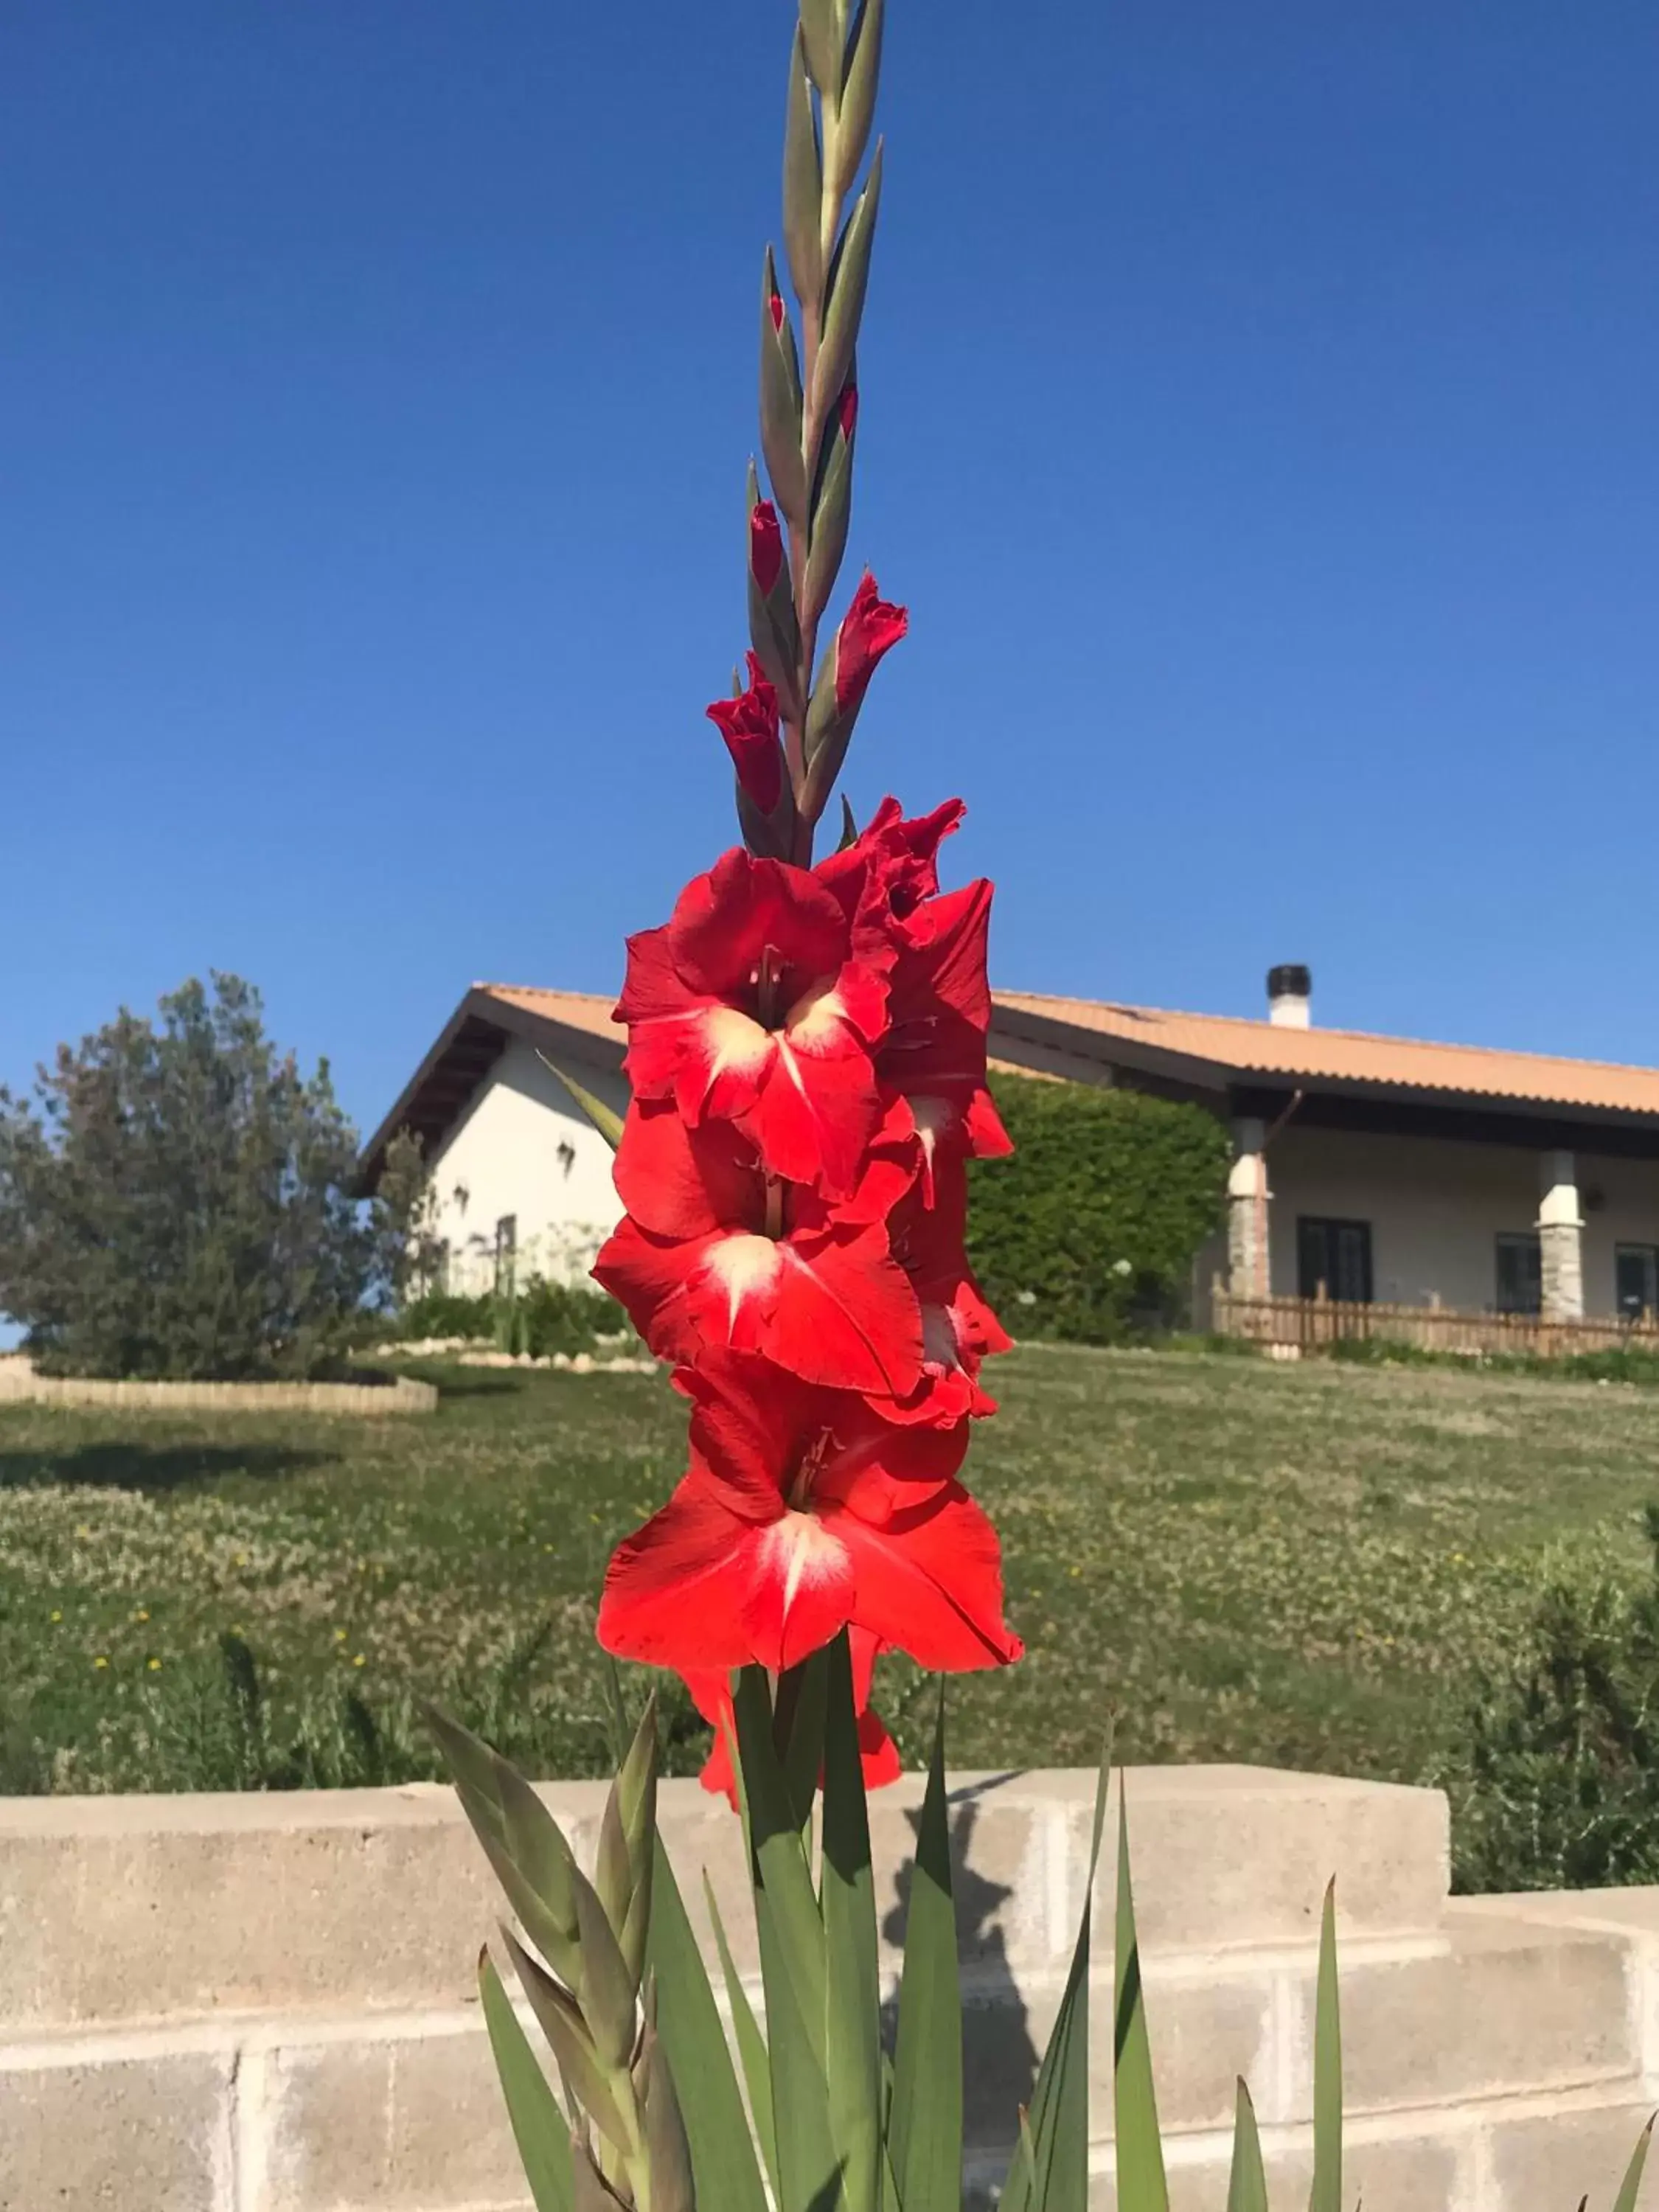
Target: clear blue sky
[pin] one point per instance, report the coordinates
(1259, 422)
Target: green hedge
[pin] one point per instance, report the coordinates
(1090, 1231)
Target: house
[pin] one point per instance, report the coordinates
(1445, 1187)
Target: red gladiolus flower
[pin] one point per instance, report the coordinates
(711, 1694)
(749, 1006)
(712, 1256)
(803, 1514)
(749, 724)
(958, 1328)
(870, 628)
(765, 549)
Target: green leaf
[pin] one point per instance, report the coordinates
(539, 2128)
(925, 2129)
(1141, 2186)
(1630, 2187)
(606, 1120)
(852, 1980)
(622, 1873)
(1326, 2195)
(751, 2045)
(723, 2162)
(521, 1839)
(803, 185)
(809, 1687)
(793, 1966)
(1247, 2184)
(606, 1990)
(849, 279)
(668, 2153)
(1053, 2174)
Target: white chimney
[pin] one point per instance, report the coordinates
(1290, 993)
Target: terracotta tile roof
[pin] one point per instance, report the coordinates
(578, 1010)
(1229, 1044)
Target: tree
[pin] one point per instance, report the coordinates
(177, 1198)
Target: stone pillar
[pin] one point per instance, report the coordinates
(1560, 1231)
(1247, 1270)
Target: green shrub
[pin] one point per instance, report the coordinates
(1559, 1785)
(540, 1319)
(1090, 1231)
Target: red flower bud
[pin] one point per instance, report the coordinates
(765, 545)
(846, 410)
(869, 627)
(775, 304)
(749, 724)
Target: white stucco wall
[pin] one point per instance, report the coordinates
(1436, 1207)
(525, 1148)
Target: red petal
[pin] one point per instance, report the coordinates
(930, 1582)
(683, 1182)
(674, 1591)
(846, 1315)
(802, 1590)
(877, 1753)
(725, 920)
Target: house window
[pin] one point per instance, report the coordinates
(506, 1245)
(1520, 1272)
(1636, 1276)
(1333, 1259)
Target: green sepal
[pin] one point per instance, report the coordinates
(668, 2154)
(849, 827)
(539, 2128)
(850, 134)
(606, 1989)
(803, 184)
(522, 1841)
(821, 34)
(832, 513)
(772, 626)
(849, 280)
(781, 403)
(560, 2020)
(622, 1871)
(605, 1119)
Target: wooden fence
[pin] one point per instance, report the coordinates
(1312, 1324)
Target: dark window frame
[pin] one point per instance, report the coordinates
(1649, 1255)
(1332, 1229)
(1528, 1302)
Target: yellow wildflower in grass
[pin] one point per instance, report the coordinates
(142, 1614)
(101, 1660)
(57, 1615)
(340, 1636)
(154, 1666)
(360, 1660)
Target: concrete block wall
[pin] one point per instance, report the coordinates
(246, 2005)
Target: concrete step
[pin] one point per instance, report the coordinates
(383, 2111)
(360, 1899)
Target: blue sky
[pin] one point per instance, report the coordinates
(1258, 421)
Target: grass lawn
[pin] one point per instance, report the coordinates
(1301, 1564)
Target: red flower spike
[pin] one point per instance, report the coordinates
(800, 1516)
(775, 307)
(870, 628)
(765, 547)
(749, 724)
(749, 1008)
(700, 1267)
